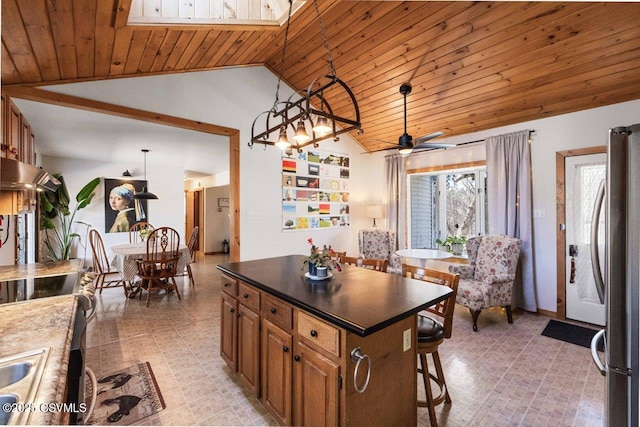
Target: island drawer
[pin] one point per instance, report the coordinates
(277, 311)
(249, 296)
(229, 285)
(318, 334)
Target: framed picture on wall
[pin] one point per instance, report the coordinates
(121, 210)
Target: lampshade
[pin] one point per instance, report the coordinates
(373, 212)
(283, 142)
(322, 126)
(301, 135)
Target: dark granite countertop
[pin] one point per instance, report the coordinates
(359, 300)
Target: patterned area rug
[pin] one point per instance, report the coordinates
(126, 396)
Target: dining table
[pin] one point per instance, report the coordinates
(124, 256)
(423, 255)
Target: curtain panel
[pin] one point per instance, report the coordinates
(510, 210)
(395, 196)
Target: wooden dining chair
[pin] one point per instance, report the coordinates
(370, 263)
(160, 267)
(193, 241)
(134, 231)
(434, 325)
(105, 275)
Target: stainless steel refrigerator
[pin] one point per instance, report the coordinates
(618, 286)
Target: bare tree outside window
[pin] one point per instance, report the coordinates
(461, 204)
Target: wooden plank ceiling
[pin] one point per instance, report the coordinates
(473, 65)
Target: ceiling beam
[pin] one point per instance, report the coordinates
(48, 97)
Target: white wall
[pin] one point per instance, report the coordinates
(233, 98)
(216, 219)
(569, 131)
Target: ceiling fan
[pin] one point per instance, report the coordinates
(406, 144)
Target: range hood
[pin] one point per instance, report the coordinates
(15, 175)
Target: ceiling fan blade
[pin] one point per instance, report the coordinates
(426, 138)
(433, 145)
(395, 147)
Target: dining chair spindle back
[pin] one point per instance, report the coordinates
(160, 267)
(106, 275)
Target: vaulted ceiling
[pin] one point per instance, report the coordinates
(472, 65)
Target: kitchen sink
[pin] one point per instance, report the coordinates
(20, 377)
(13, 373)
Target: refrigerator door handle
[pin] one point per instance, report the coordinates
(595, 258)
(599, 336)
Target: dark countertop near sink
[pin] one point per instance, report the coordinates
(39, 269)
(359, 300)
(40, 323)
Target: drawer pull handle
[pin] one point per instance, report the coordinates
(273, 311)
(285, 349)
(226, 284)
(357, 356)
(245, 296)
(296, 358)
(314, 333)
(232, 310)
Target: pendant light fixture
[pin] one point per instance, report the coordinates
(294, 113)
(144, 194)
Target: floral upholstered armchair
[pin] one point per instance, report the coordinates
(380, 244)
(487, 281)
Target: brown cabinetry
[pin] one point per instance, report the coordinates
(316, 388)
(18, 143)
(277, 351)
(240, 330)
(12, 131)
(229, 331)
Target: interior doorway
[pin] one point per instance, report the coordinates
(193, 215)
(576, 170)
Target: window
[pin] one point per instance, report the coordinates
(450, 203)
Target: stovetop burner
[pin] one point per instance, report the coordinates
(39, 287)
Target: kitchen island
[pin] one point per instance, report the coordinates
(336, 352)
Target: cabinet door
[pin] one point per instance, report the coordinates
(229, 331)
(26, 150)
(276, 371)
(316, 388)
(249, 347)
(13, 130)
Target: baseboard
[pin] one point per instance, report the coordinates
(551, 314)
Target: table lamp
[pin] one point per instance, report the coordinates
(373, 212)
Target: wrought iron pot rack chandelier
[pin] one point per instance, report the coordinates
(298, 112)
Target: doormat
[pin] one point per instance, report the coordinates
(570, 333)
(125, 396)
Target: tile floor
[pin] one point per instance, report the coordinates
(502, 375)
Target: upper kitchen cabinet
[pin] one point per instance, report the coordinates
(18, 142)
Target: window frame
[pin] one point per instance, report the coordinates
(479, 168)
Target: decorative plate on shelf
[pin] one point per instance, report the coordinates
(310, 277)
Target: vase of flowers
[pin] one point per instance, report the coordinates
(320, 261)
(144, 233)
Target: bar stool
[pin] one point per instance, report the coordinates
(434, 325)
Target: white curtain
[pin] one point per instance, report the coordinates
(395, 196)
(509, 199)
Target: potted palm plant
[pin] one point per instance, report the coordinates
(57, 219)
